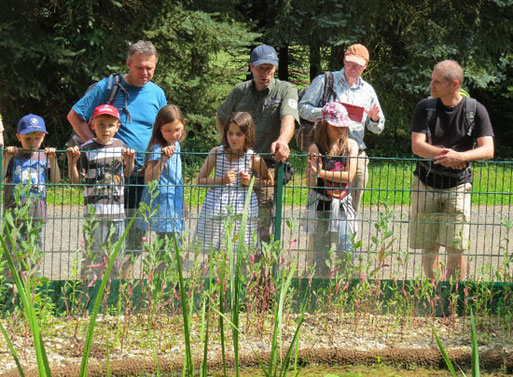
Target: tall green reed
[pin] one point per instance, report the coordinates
(278, 367)
(117, 247)
(474, 360)
(22, 272)
(27, 284)
(235, 263)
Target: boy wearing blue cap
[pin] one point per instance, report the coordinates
(29, 165)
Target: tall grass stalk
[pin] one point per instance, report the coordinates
(23, 287)
(235, 275)
(12, 350)
(294, 345)
(222, 275)
(118, 245)
(445, 355)
(475, 352)
(278, 323)
(274, 362)
(188, 368)
(205, 316)
(474, 361)
(204, 331)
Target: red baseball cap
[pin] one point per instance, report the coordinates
(106, 109)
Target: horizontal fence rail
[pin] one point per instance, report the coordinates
(381, 243)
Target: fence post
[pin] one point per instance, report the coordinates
(278, 195)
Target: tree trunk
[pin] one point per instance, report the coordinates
(283, 66)
(336, 58)
(315, 60)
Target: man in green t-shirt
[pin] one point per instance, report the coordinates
(273, 105)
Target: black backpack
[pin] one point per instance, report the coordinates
(470, 115)
(470, 122)
(114, 86)
(304, 134)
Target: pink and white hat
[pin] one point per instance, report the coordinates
(335, 114)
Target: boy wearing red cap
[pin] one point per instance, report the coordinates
(104, 163)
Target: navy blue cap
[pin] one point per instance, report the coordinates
(263, 54)
(31, 123)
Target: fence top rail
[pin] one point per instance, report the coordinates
(302, 155)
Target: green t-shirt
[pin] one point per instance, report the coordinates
(267, 108)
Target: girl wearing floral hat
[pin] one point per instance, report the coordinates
(331, 167)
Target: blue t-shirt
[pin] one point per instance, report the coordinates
(168, 204)
(143, 104)
(28, 169)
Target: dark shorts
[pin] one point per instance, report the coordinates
(133, 193)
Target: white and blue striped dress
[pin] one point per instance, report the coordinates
(226, 202)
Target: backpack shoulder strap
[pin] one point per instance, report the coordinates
(328, 87)
(470, 114)
(115, 86)
(430, 116)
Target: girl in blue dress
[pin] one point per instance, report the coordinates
(163, 164)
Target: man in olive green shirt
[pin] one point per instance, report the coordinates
(273, 105)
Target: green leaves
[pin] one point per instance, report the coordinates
(475, 352)
(24, 289)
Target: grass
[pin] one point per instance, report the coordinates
(389, 181)
(65, 194)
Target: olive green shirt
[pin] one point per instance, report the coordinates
(267, 107)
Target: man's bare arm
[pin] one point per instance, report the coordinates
(280, 148)
(450, 158)
(420, 147)
(80, 126)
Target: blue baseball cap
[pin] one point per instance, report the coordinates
(263, 54)
(31, 123)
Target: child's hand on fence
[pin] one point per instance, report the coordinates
(245, 178)
(314, 165)
(50, 153)
(167, 152)
(128, 154)
(10, 151)
(229, 177)
(73, 154)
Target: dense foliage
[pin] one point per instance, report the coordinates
(405, 40)
(52, 50)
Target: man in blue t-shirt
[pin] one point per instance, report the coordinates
(145, 99)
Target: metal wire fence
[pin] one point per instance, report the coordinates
(381, 243)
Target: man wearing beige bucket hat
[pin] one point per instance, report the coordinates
(361, 102)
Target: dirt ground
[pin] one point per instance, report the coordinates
(326, 339)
